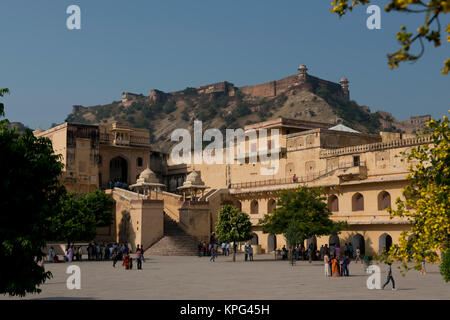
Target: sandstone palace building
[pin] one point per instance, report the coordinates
(361, 175)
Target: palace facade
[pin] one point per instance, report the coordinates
(361, 175)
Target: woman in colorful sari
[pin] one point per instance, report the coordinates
(126, 262)
(335, 270)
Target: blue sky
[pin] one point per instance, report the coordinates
(138, 45)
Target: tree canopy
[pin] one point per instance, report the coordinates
(233, 226)
(426, 202)
(28, 191)
(100, 204)
(306, 207)
(430, 31)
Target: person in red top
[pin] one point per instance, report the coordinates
(126, 262)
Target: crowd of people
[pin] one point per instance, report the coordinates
(101, 252)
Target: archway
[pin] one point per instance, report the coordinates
(271, 242)
(271, 205)
(118, 170)
(334, 241)
(384, 200)
(254, 208)
(312, 241)
(384, 243)
(357, 202)
(254, 241)
(358, 242)
(333, 203)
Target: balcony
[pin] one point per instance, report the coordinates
(137, 141)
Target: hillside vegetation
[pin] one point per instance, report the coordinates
(178, 110)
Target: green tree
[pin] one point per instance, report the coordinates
(426, 202)
(233, 226)
(74, 220)
(28, 191)
(101, 205)
(293, 237)
(429, 31)
(444, 268)
(307, 209)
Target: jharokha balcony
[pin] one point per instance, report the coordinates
(124, 139)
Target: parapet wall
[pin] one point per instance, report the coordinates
(274, 88)
(374, 147)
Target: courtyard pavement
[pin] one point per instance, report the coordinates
(195, 278)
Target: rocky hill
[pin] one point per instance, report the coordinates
(222, 105)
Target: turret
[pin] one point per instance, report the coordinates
(344, 86)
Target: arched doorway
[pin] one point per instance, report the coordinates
(384, 243)
(118, 170)
(254, 241)
(334, 241)
(358, 242)
(271, 242)
(312, 241)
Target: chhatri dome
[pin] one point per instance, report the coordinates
(148, 176)
(147, 180)
(193, 183)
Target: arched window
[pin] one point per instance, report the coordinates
(270, 206)
(333, 203)
(384, 200)
(254, 207)
(357, 202)
(139, 162)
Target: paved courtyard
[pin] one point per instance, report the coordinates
(199, 279)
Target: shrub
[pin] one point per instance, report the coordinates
(190, 91)
(169, 107)
(444, 267)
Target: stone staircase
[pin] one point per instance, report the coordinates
(175, 241)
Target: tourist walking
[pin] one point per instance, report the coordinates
(80, 253)
(224, 249)
(213, 255)
(345, 264)
(358, 255)
(284, 254)
(326, 261)
(246, 251)
(138, 258)
(390, 278)
(70, 254)
(126, 262)
(228, 249)
(250, 252)
(51, 254)
(423, 271)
